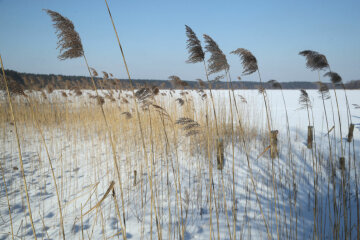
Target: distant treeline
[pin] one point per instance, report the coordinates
(51, 81)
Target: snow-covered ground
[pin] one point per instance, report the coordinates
(83, 165)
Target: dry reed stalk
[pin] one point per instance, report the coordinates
(8, 202)
(316, 62)
(112, 184)
(51, 166)
(217, 63)
(71, 47)
(19, 148)
(250, 66)
(133, 92)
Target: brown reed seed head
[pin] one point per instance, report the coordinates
(94, 72)
(105, 75)
(275, 84)
(304, 99)
(196, 53)
(334, 77)
(177, 82)
(16, 89)
(248, 60)
(218, 78)
(127, 115)
(201, 82)
(217, 61)
(69, 41)
(155, 90)
(243, 99)
(323, 90)
(143, 94)
(189, 126)
(100, 100)
(180, 101)
(314, 60)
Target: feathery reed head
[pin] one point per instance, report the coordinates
(217, 61)
(180, 101)
(314, 60)
(105, 75)
(100, 100)
(323, 90)
(261, 89)
(334, 77)
(243, 100)
(218, 78)
(94, 72)
(239, 78)
(275, 84)
(143, 94)
(304, 99)
(155, 90)
(196, 53)
(127, 115)
(69, 40)
(189, 126)
(248, 60)
(201, 82)
(177, 82)
(16, 89)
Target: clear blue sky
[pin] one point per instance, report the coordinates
(154, 40)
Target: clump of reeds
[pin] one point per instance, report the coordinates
(15, 89)
(70, 46)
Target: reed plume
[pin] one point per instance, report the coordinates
(217, 61)
(177, 82)
(334, 77)
(128, 115)
(180, 101)
(218, 78)
(248, 60)
(314, 60)
(323, 90)
(190, 126)
(70, 46)
(243, 100)
(304, 99)
(105, 75)
(201, 82)
(16, 89)
(94, 72)
(275, 84)
(196, 53)
(69, 42)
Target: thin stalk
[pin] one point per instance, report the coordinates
(19, 149)
(51, 166)
(121, 220)
(8, 202)
(132, 89)
(247, 153)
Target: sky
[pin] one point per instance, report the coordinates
(153, 37)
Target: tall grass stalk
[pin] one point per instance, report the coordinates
(19, 149)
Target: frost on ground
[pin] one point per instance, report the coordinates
(291, 190)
